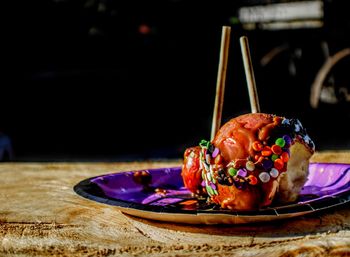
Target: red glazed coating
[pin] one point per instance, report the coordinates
(241, 140)
(191, 172)
(236, 137)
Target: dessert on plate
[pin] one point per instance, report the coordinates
(254, 160)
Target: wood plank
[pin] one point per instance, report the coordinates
(40, 214)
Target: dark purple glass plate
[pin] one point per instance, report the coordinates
(160, 195)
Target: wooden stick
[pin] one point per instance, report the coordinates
(249, 73)
(221, 79)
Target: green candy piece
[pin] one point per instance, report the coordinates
(204, 143)
(274, 157)
(280, 142)
(232, 171)
(210, 190)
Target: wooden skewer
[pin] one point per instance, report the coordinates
(249, 73)
(221, 79)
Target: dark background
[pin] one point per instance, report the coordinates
(125, 80)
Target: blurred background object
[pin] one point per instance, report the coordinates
(6, 152)
(125, 80)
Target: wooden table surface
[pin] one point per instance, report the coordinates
(41, 215)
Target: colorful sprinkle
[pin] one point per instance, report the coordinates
(267, 164)
(215, 152)
(267, 160)
(287, 139)
(250, 166)
(204, 143)
(218, 159)
(276, 149)
(274, 173)
(274, 157)
(264, 177)
(285, 122)
(209, 190)
(242, 172)
(266, 151)
(257, 146)
(278, 164)
(252, 180)
(232, 171)
(285, 157)
(280, 142)
(212, 185)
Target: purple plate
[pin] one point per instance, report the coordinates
(159, 194)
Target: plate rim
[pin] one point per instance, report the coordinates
(160, 213)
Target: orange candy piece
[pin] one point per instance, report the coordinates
(252, 180)
(266, 151)
(278, 164)
(218, 159)
(257, 146)
(284, 156)
(276, 149)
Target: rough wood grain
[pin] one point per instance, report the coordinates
(41, 215)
